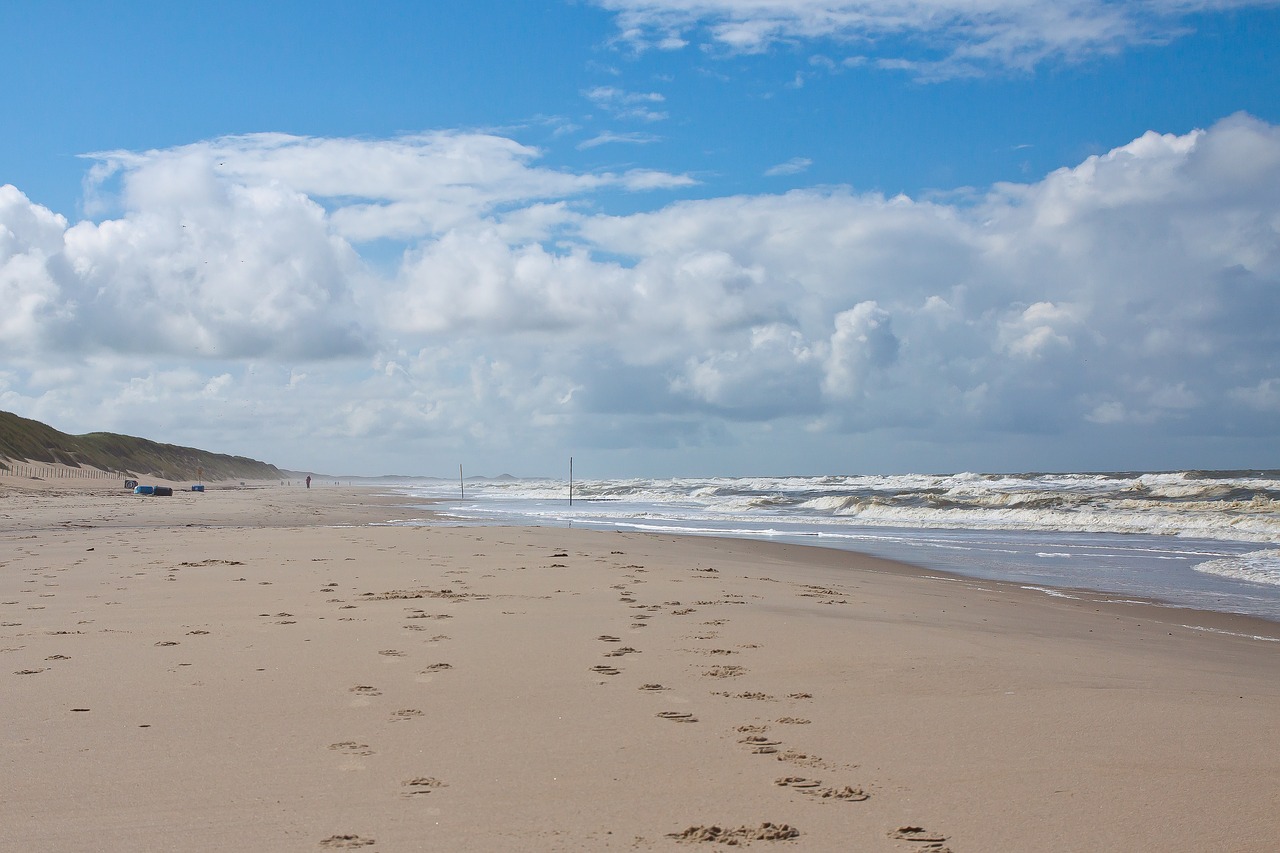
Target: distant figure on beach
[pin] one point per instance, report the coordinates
(308, 481)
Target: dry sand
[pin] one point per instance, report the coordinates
(233, 671)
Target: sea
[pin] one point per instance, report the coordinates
(1208, 540)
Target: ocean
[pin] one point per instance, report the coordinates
(1203, 539)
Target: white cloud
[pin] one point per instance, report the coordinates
(949, 37)
(1265, 396)
(1134, 292)
(863, 341)
(31, 247)
(1039, 329)
(627, 105)
(374, 189)
(610, 137)
(794, 166)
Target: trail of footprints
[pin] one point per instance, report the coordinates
(417, 787)
(754, 737)
(757, 738)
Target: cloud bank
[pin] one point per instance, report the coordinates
(244, 284)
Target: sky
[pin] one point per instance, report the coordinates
(664, 237)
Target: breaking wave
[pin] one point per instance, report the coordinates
(1256, 567)
(1237, 506)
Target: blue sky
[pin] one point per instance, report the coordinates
(664, 236)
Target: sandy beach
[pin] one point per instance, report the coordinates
(273, 668)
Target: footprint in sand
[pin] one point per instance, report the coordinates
(799, 782)
(803, 759)
(726, 671)
(605, 670)
(391, 653)
(167, 643)
(930, 842)
(845, 794)
(738, 835)
(366, 690)
(794, 721)
(761, 744)
(350, 747)
(346, 842)
(653, 687)
(677, 716)
(609, 639)
(422, 785)
(405, 714)
(438, 667)
(814, 788)
(625, 650)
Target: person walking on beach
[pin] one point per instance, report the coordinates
(308, 481)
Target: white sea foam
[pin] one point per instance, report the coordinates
(1055, 593)
(1256, 567)
(1243, 508)
(1233, 633)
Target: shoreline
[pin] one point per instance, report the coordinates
(367, 504)
(305, 680)
(1065, 591)
(1199, 570)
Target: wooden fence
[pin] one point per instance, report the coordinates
(36, 471)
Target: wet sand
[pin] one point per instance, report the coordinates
(270, 669)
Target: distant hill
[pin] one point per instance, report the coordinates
(22, 438)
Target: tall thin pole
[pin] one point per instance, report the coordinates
(462, 486)
(570, 481)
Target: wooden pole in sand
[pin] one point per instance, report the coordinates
(570, 481)
(462, 486)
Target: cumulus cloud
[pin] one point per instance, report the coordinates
(31, 266)
(948, 37)
(863, 340)
(1135, 291)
